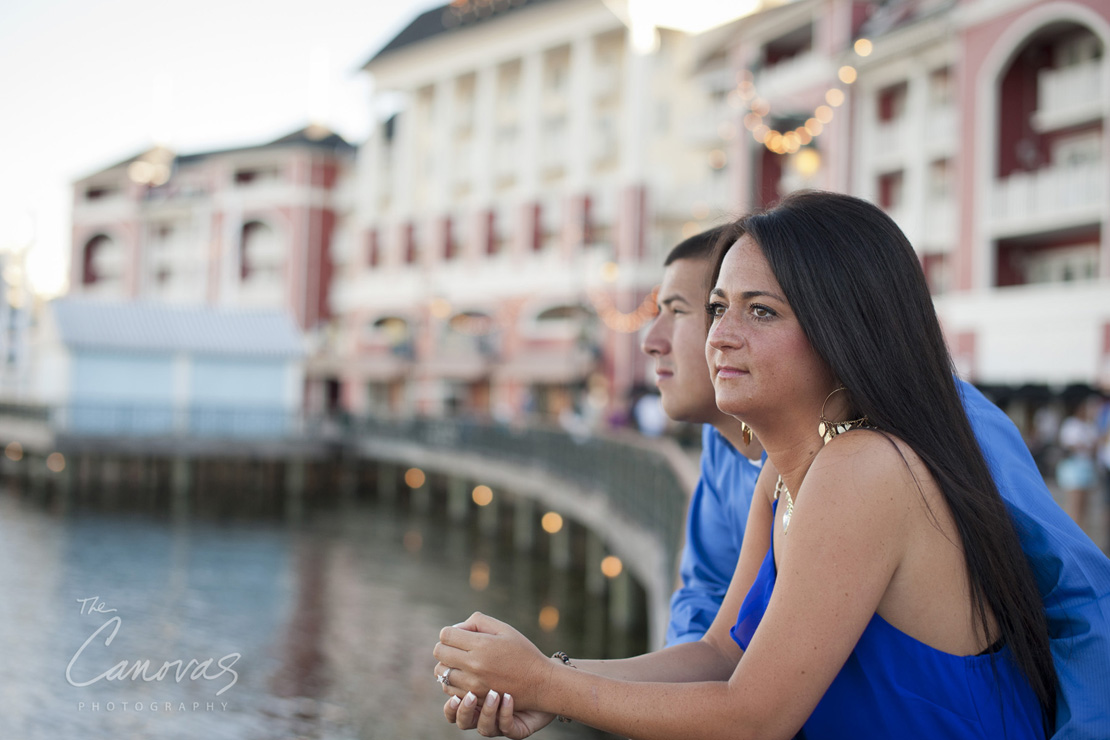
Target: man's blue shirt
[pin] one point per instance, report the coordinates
(1072, 573)
(714, 530)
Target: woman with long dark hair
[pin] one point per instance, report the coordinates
(881, 589)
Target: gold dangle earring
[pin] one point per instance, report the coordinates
(829, 429)
(746, 433)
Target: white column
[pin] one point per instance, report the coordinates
(485, 121)
(863, 97)
(635, 117)
(531, 83)
(404, 158)
(370, 162)
(444, 137)
(580, 99)
(914, 189)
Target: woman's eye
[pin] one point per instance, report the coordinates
(715, 310)
(761, 312)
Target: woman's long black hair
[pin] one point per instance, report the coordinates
(859, 293)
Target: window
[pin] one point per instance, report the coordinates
(890, 191)
(493, 238)
(100, 192)
(940, 87)
(940, 179)
(450, 248)
(892, 102)
(260, 254)
(373, 248)
(408, 243)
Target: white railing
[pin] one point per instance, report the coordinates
(890, 138)
(799, 72)
(1069, 93)
(940, 125)
(705, 127)
(1056, 193)
(939, 231)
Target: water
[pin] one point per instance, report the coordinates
(323, 631)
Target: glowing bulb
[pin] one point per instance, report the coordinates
(549, 618)
(863, 47)
(479, 575)
(847, 74)
(824, 113)
(611, 566)
(610, 271)
(482, 495)
(414, 477)
(806, 162)
(551, 522)
(56, 462)
(835, 97)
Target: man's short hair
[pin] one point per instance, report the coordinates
(700, 246)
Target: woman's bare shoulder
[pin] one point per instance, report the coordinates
(872, 468)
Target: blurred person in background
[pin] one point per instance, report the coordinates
(1075, 472)
(1046, 429)
(1103, 458)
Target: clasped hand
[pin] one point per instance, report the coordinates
(497, 678)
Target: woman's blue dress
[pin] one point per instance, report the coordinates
(893, 686)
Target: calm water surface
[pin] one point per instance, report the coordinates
(322, 632)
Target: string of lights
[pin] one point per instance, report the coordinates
(790, 141)
(619, 321)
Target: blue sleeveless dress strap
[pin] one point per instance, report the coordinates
(893, 686)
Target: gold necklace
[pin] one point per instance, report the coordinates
(780, 488)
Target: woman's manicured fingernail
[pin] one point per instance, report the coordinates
(454, 701)
(508, 697)
(491, 696)
(470, 699)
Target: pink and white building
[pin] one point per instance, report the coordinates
(252, 227)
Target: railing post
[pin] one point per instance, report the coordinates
(458, 499)
(181, 482)
(387, 482)
(294, 490)
(524, 523)
(595, 553)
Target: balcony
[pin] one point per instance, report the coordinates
(262, 291)
(1049, 198)
(1008, 322)
(939, 232)
(890, 141)
(704, 128)
(800, 72)
(1069, 96)
(940, 128)
(114, 207)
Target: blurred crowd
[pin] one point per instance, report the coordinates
(1073, 450)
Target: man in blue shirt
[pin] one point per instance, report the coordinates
(1072, 573)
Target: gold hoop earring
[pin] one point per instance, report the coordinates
(746, 433)
(829, 429)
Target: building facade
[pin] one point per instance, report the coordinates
(252, 227)
(493, 248)
(515, 207)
